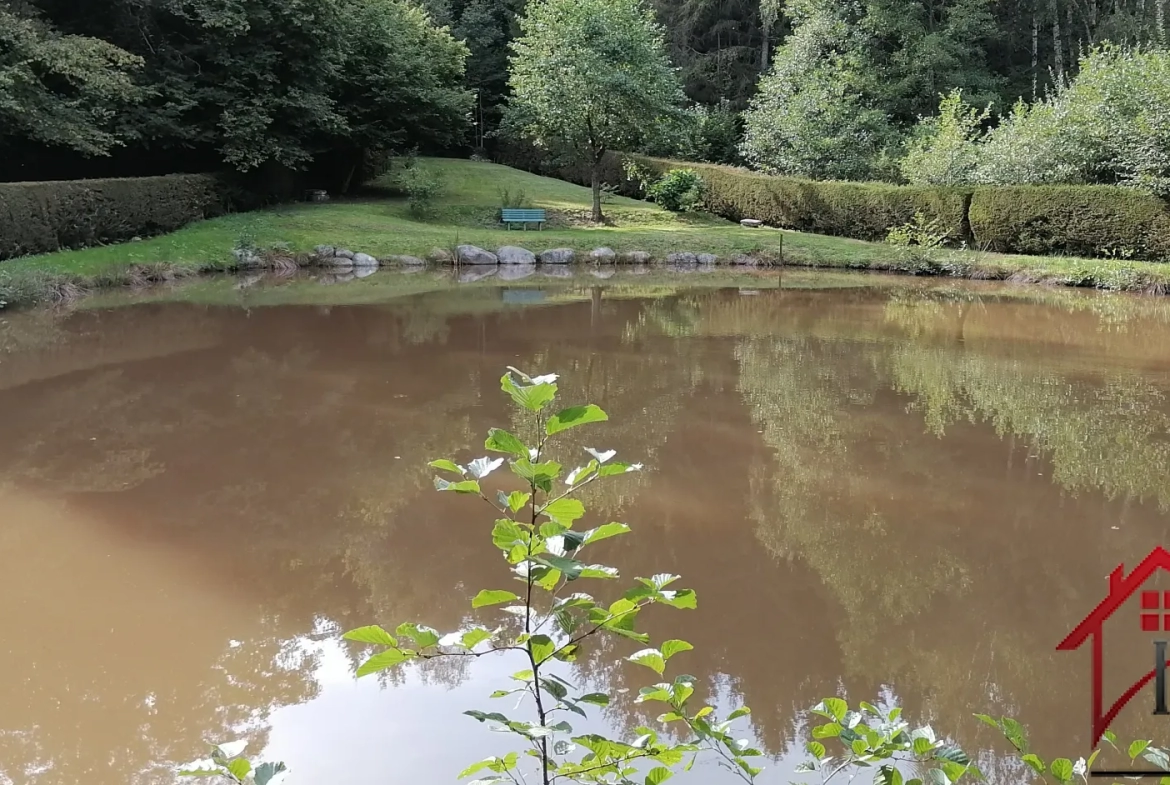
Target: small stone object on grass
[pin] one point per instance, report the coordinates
(512, 254)
(602, 256)
(751, 223)
(440, 256)
(323, 251)
(338, 262)
(708, 258)
(635, 257)
(364, 260)
(407, 261)
(471, 254)
(557, 256)
(343, 253)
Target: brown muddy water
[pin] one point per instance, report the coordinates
(897, 491)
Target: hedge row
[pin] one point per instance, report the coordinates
(1093, 220)
(1078, 220)
(49, 216)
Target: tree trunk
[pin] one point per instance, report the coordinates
(595, 176)
(1035, 54)
(1057, 44)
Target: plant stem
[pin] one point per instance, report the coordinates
(540, 713)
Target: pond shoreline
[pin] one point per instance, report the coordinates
(29, 288)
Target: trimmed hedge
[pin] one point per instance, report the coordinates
(865, 211)
(1077, 220)
(41, 217)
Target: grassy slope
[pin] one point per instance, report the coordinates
(466, 214)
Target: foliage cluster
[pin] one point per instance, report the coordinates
(549, 623)
(42, 217)
(420, 184)
(679, 190)
(250, 85)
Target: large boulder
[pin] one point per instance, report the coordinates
(441, 256)
(602, 256)
(557, 256)
(635, 257)
(685, 258)
(708, 258)
(406, 261)
(321, 251)
(743, 260)
(338, 263)
(512, 254)
(471, 254)
(364, 260)
(343, 253)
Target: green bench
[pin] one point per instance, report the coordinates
(511, 215)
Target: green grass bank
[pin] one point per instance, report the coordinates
(466, 213)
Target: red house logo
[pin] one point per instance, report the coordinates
(1155, 617)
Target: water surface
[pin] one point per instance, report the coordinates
(901, 491)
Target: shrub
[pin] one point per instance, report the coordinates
(944, 150)
(679, 190)
(1087, 220)
(420, 185)
(50, 216)
(862, 210)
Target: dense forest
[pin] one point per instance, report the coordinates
(930, 91)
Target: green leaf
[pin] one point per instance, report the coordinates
(371, 634)
(673, 647)
(835, 708)
(816, 749)
(605, 531)
(492, 597)
(1136, 748)
(596, 698)
(564, 510)
(381, 661)
(953, 770)
(542, 647)
(1061, 769)
(554, 688)
(890, 775)
(859, 746)
(448, 466)
(830, 730)
(517, 500)
(922, 746)
(650, 658)
(987, 720)
(611, 469)
(502, 441)
(684, 598)
(266, 771)
(475, 636)
(953, 754)
(938, 777)
(1014, 732)
(466, 486)
(658, 775)
(540, 474)
(599, 571)
(423, 636)
(533, 397)
(670, 716)
(743, 711)
(240, 768)
(574, 416)
(1034, 762)
(507, 534)
(478, 766)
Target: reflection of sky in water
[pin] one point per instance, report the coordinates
(417, 731)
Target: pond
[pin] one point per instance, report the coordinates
(900, 491)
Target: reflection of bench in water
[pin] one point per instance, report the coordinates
(523, 295)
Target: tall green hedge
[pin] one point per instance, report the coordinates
(49, 216)
(1078, 220)
(865, 211)
(1090, 220)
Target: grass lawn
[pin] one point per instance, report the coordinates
(466, 213)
